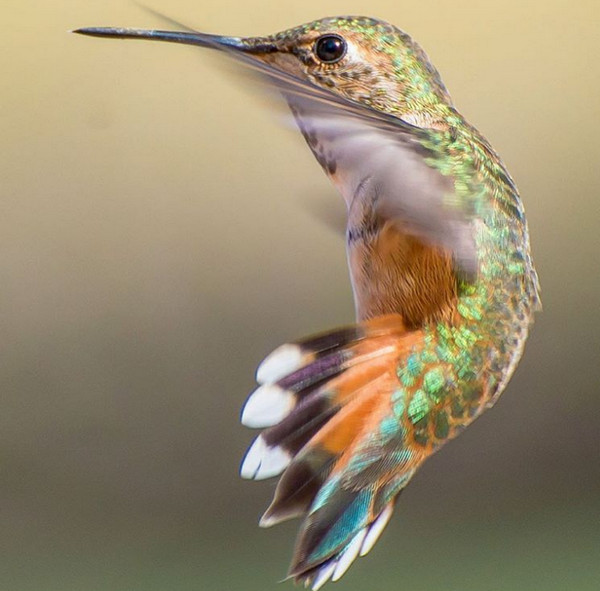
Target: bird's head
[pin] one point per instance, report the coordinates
(364, 60)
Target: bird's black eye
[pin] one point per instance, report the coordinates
(330, 48)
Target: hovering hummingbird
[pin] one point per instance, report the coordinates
(444, 284)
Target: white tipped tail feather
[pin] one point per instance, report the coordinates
(324, 575)
(376, 528)
(280, 363)
(263, 462)
(266, 406)
(362, 542)
(349, 555)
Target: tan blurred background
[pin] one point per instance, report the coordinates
(160, 233)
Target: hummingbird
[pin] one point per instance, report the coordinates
(443, 280)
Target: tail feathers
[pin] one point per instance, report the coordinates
(289, 358)
(364, 532)
(336, 566)
(294, 371)
(323, 374)
(317, 449)
(342, 524)
(324, 405)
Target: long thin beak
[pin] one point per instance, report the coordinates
(201, 39)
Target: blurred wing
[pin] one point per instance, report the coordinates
(371, 155)
(384, 166)
(376, 156)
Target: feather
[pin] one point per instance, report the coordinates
(337, 392)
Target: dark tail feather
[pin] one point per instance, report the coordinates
(346, 523)
(318, 397)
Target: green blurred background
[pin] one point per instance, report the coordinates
(161, 232)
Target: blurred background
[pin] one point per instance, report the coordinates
(161, 232)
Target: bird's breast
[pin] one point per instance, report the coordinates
(395, 273)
